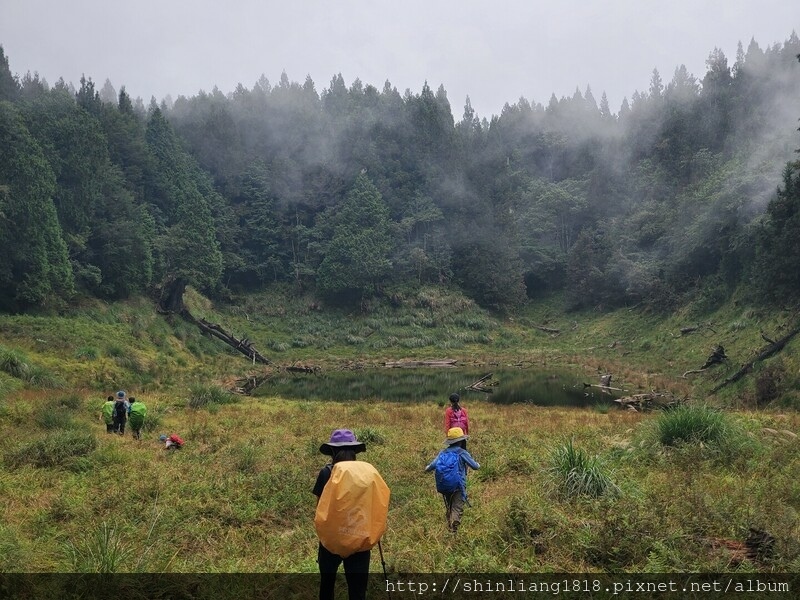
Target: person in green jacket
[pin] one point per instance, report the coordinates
(136, 415)
(108, 414)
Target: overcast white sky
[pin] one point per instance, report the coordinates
(493, 51)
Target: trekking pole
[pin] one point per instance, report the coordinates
(383, 564)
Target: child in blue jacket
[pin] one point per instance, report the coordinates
(451, 475)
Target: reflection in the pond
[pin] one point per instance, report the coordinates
(508, 386)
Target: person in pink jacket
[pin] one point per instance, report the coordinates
(455, 415)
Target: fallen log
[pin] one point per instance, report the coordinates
(410, 364)
(647, 401)
(547, 329)
(717, 356)
(301, 369)
(770, 350)
(692, 328)
(690, 371)
(244, 345)
(603, 387)
(246, 385)
(758, 547)
(481, 384)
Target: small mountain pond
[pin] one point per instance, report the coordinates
(508, 385)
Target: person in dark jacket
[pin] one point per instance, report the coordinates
(120, 412)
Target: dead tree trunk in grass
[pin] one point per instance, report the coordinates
(171, 300)
(246, 385)
(717, 356)
(605, 385)
(642, 402)
(692, 328)
(549, 330)
(770, 350)
(483, 384)
(604, 388)
(244, 345)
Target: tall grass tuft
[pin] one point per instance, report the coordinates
(202, 396)
(43, 378)
(688, 424)
(54, 449)
(517, 526)
(102, 551)
(17, 365)
(602, 407)
(14, 363)
(578, 474)
(8, 385)
(10, 551)
(369, 435)
(87, 353)
(154, 419)
(70, 401)
(245, 458)
(55, 419)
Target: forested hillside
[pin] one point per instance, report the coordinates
(688, 191)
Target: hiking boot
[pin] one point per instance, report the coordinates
(454, 527)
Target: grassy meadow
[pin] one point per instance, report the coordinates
(559, 489)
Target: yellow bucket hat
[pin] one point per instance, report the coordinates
(455, 434)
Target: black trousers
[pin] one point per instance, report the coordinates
(356, 572)
(119, 425)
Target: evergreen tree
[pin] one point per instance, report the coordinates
(77, 152)
(258, 232)
(34, 266)
(656, 85)
(605, 110)
(487, 266)
(716, 101)
(187, 246)
(357, 257)
(589, 274)
(88, 98)
(108, 95)
(778, 241)
(9, 87)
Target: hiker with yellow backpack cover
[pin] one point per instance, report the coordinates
(352, 507)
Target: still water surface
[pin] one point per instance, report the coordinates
(507, 385)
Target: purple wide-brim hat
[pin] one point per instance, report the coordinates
(342, 438)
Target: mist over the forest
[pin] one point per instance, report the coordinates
(653, 203)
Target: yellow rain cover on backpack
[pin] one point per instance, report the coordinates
(352, 510)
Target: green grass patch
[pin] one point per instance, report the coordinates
(18, 365)
(54, 449)
(103, 550)
(206, 396)
(578, 474)
(689, 424)
(14, 363)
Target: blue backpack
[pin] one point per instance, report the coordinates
(448, 472)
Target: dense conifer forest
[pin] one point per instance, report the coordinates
(689, 190)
